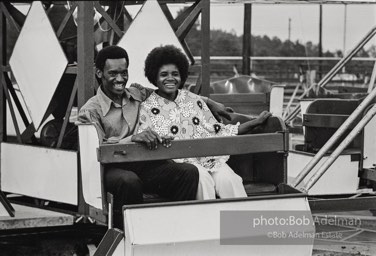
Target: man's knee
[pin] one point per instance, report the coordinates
(129, 181)
(126, 187)
(189, 171)
(117, 180)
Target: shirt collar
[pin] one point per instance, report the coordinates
(105, 101)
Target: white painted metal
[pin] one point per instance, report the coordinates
(341, 177)
(194, 229)
(44, 173)
(3, 211)
(369, 146)
(90, 167)
(149, 29)
(37, 62)
(276, 100)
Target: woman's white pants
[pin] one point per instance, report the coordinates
(222, 181)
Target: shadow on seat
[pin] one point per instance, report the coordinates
(261, 172)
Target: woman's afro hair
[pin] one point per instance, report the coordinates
(163, 55)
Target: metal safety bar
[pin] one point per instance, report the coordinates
(323, 82)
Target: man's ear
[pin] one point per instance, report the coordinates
(99, 73)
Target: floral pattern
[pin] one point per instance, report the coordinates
(174, 129)
(187, 117)
(155, 111)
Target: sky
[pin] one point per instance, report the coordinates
(273, 20)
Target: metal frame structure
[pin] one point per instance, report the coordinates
(85, 81)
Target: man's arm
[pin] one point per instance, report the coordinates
(218, 109)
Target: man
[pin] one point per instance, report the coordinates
(114, 112)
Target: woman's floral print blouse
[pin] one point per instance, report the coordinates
(188, 117)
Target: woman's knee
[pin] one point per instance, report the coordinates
(227, 178)
(206, 177)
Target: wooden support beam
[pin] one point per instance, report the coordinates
(109, 20)
(246, 70)
(66, 19)
(187, 24)
(85, 70)
(6, 204)
(116, 11)
(9, 17)
(183, 16)
(167, 13)
(30, 129)
(197, 89)
(205, 47)
(3, 120)
(85, 52)
(67, 114)
(320, 42)
(16, 100)
(187, 51)
(127, 19)
(13, 114)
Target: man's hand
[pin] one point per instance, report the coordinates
(149, 137)
(263, 117)
(219, 110)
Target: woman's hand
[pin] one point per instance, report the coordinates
(166, 141)
(149, 137)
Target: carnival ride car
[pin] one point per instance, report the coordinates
(62, 178)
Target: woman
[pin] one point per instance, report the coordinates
(180, 114)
